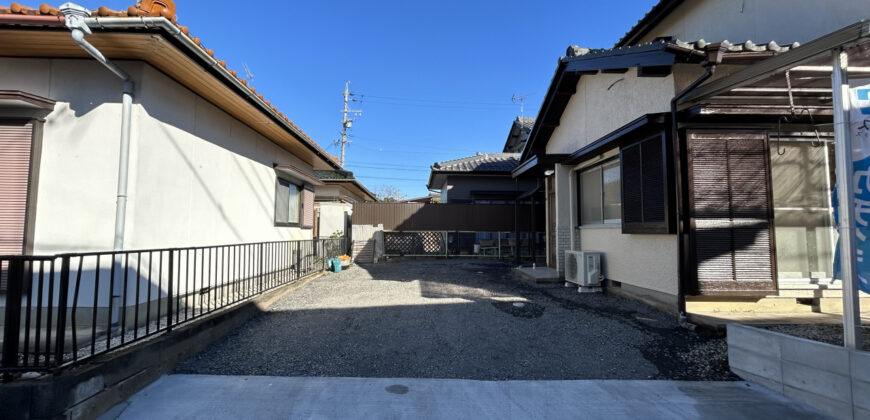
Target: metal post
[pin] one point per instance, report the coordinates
(298, 259)
(13, 315)
(843, 152)
(169, 291)
(262, 273)
(62, 297)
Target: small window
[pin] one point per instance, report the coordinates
(644, 186)
(288, 202)
(600, 195)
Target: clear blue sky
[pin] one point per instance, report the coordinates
(437, 76)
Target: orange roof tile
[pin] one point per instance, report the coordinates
(152, 8)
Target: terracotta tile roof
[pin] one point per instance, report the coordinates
(481, 162)
(152, 8)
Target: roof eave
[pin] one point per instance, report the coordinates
(186, 44)
(652, 18)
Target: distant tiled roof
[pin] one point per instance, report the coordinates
(526, 122)
(481, 162)
(148, 8)
(338, 174)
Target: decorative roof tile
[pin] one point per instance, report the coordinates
(481, 162)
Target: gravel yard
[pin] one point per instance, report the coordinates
(468, 319)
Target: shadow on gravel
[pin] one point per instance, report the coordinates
(459, 319)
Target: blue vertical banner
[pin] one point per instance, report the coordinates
(859, 115)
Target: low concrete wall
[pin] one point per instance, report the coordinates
(833, 379)
(89, 390)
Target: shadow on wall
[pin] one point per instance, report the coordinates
(714, 248)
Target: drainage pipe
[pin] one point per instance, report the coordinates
(683, 225)
(75, 19)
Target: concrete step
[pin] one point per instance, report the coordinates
(816, 293)
(835, 305)
(768, 304)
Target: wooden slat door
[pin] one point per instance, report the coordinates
(731, 213)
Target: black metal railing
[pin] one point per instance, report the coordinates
(64, 309)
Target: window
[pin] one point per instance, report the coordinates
(644, 186)
(600, 196)
(287, 203)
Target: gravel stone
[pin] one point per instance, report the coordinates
(456, 319)
(826, 333)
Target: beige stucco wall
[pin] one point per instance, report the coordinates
(648, 261)
(783, 21)
(197, 175)
(605, 102)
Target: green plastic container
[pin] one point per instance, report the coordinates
(335, 264)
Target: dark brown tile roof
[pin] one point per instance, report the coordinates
(481, 162)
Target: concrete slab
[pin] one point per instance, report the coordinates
(255, 397)
(720, 319)
(539, 274)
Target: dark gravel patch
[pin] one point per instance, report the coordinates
(458, 319)
(826, 333)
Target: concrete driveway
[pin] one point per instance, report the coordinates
(466, 319)
(263, 397)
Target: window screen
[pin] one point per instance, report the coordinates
(600, 194)
(287, 203)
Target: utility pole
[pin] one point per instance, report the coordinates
(345, 121)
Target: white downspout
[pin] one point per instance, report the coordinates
(75, 20)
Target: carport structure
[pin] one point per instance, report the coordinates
(819, 93)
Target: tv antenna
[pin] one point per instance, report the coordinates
(521, 99)
(248, 75)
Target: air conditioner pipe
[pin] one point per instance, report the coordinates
(75, 19)
(713, 59)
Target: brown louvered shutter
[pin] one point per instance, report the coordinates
(731, 213)
(14, 173)
(15, 146)
(307, 208)
(644, 187)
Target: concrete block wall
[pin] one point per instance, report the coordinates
(833, 379)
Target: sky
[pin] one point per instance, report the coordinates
(434, 79)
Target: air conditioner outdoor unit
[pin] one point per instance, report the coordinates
(583, 268)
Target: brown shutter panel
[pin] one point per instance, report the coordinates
(731, 213)
(307, 208)
(15, 146)
(15, 142)
(654, 194)
(632, 185)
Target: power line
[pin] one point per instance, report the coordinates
(393, 98)
(382, 165)
(389, 178)
(389, 169)
(424, 105)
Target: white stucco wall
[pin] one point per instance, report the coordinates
(332, 218)
(605, 102)
(197, 175)
(783, 21)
